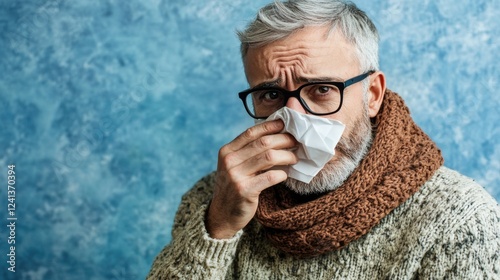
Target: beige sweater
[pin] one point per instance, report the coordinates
(449, 229)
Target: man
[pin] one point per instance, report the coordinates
(382, 207)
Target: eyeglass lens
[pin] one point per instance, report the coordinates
(320, 98)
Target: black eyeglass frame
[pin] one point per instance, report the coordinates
(296, 93)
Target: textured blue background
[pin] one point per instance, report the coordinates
(111, 110)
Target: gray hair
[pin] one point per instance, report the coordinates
(280, 19)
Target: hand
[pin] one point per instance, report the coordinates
(243, 172)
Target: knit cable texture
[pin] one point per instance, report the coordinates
(401, 159)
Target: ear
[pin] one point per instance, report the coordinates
(376, 91)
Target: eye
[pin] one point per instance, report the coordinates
(320, 92)
(323, 89)
(270, 96)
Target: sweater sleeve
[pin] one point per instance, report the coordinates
(469, 250)
(192, 253)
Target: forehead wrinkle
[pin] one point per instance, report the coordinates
(285, 60)
(288, 55)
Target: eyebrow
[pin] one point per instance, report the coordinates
(320, 79)
(273, 83)
(300, 80)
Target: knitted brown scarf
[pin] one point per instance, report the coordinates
(402, 158)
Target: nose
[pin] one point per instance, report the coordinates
(294, 104)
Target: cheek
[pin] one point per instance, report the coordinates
(351, 110)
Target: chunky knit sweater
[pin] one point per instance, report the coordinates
(449, 229)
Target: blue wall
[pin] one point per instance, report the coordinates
(111, 110)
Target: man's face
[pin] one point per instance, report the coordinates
(312, 54)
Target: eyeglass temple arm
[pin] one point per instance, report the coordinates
(358, 78)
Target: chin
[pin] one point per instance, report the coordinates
(328, 179)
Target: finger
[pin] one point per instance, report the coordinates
(268, 179)
(263, 162)
(251, 188)
(267, 142)
(274, 141)
(253, 133)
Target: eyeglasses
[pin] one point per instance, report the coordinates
(317, 98)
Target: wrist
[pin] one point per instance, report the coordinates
(215, 228)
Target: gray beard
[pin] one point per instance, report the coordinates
(349, 152)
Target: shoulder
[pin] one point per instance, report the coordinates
(194, 199)
(447, 202)
(448, 188)
(450, 201)
(202, 191)
(465, 228)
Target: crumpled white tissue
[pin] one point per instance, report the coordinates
(317, 137)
